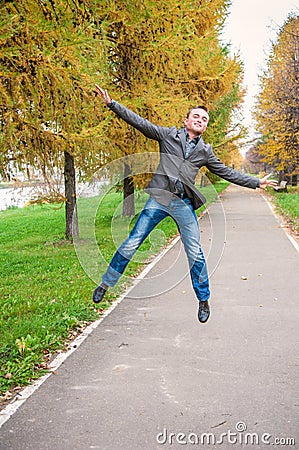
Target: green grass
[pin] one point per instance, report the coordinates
(287, 204)
(45, 293)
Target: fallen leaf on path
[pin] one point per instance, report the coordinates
(7, 395)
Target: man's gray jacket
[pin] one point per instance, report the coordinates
(174, 165)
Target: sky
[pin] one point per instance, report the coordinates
(250, 28)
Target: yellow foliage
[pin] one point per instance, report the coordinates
(50, 53)
(158, 58)
(278, 102)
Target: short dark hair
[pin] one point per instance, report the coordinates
(197, 107)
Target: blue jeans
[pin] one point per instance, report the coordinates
(183, 214)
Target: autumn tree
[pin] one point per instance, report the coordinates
(277, 110)
(50, 53)
(253, 161)
(160, 59)
(164, 58)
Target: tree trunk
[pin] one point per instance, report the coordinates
(281, 176)
(71, 218)
(129, 204)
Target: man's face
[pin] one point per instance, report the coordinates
(197, 122)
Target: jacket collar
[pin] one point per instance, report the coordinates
(182, 135)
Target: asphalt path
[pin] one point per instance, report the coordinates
(151, 376)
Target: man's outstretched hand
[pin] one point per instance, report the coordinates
(103, 94)
(264, 182)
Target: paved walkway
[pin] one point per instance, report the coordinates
(150, 376)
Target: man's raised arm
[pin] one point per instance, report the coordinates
(147, 128)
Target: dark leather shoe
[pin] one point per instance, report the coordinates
(203, 311)
(98, 294)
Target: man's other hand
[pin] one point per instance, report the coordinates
(264, 182)
(103, 94)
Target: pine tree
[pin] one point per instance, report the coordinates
(164, 58)
(159, 59)
(50, 53)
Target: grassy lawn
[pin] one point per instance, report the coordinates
(45, 293)
(287, 204)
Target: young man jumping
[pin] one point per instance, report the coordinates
(173, 193)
